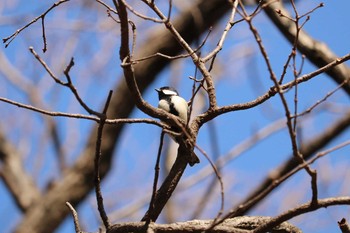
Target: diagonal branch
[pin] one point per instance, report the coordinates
(281, 179)
(302, 209)
(12, 172)
(205, 117)
(317, 52)
(308, 150)
(167, 188)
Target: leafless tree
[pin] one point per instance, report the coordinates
(77, 96)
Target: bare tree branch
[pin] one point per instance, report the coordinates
(302, 209)
(19, 80)
(18, 181)
(205, 117)
(75, 218)
(156, 174)
(229, 25)
(317, 52)
(170, 183)
(308, 149)
(76, 182)
(235, 225)
(42, 16)
(98, 155)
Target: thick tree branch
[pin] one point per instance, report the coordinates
(18, 181)
(235, 225)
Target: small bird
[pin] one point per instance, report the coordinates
(170, 101)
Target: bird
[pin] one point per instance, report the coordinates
(171, 102)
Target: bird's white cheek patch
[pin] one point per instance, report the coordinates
(163, 104)
(169, 92)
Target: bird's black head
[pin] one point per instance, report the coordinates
(165, 92)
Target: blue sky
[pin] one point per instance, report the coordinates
(239, 78)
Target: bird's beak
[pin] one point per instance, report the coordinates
(158, 90)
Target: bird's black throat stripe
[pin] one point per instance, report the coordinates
(172, 109)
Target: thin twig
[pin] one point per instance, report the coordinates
(156, 174)
(209, 190)
(82, 116)
(70, 85)
(75, 218)
(205, 117)
(13, 36)
(107, 6)
(44, 36)
(132, 10)
(280, 180)
(315, 51)
(46, 67)
(302, 209)
(158, 54)
(311, 108)
(133, 28)
(234, 153)
(97, 160)
(291, 131)
(69, 82)
(217, 173)
(194, 92)
(312, 10)
(229, 25)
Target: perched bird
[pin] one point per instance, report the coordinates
(170, 101)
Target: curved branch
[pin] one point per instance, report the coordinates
(302, 209)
